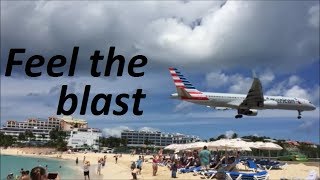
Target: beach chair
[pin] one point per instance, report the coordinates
(208, 174)
(262, 175)
(253, 166)
(190, 169)
(268, 165)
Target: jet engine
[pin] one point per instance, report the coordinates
(248, 112)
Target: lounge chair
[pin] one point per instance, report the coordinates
(262, 175)
(253, 166)
(208, 174)
(268, 165)
(191, 169)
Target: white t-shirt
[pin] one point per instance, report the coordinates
(85, 168)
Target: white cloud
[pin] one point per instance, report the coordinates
(229, 134)
(297, 91)
(236, 83)
(293, 80)
(234, 34)
(148, 129)
(266, 77)
(115, 132)
(293, 87)
(216, 79)
(250, 33)
(314, 15)
(183, 105)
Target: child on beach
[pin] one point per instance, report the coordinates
(174, 169)
(86, 170)
(134, 173)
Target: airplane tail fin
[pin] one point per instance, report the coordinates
(185, 89)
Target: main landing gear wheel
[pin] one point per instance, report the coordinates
(299, 114)
(238, 116)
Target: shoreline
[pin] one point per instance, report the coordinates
(77, 170)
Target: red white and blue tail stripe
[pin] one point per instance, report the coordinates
(184, 88)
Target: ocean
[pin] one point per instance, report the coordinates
(13, 164)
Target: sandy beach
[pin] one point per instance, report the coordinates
(121, 170)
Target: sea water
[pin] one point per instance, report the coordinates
(13, 164)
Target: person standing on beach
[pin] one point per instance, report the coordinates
(139, 165)
(77, 161)
(155, 162)
(134, 173)
(116, 158)
(204, 158)
(104, 160)
(174, 169)
(99, 166)
(86, 170)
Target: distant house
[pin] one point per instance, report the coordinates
(293, 143)
(310, 144)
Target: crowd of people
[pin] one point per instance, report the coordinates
(36, 173)
(203, 160)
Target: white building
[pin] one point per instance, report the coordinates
(80, 137)
(156, 138)
(40, 128)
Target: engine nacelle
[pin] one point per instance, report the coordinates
(248, 112)
(251, 112)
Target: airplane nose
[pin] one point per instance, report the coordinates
(313, 107)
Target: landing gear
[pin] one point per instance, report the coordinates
(238, 116)
(299, 114)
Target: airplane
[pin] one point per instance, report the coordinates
(245, 104)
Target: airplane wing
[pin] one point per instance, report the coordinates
(254, 97)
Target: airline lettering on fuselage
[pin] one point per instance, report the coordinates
(283, 101)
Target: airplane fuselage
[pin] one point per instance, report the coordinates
(227, 100)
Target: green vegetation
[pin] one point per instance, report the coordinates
(112, 142)
(303, 148)
(57, 139)
(6, 140)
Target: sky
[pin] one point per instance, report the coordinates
(215, 44)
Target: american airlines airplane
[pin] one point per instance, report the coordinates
(246, 104)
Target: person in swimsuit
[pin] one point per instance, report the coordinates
(155, 162)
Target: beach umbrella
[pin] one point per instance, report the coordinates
(267, 146)
(171, 147)
(230, 144)
(195, 145)
(270, 146)
(175, 147)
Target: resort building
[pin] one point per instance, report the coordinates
(40, 128)
(69, 122)
(84, 137)
(156, 138)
